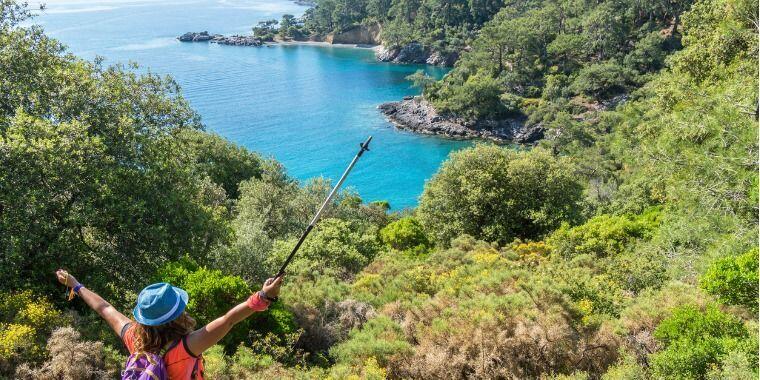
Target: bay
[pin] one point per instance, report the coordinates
(307, 106)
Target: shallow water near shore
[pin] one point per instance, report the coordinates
(307, 106)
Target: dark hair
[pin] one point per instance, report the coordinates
(153, 339)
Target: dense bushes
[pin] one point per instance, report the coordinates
(499, 194)
(72, 358)
(604, 235)
(333, 248)
(734, 280)
(404, 234)
(99, 169)
(696, 341)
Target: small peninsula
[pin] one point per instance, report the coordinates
(418, 115)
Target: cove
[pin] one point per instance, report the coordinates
(306, 106)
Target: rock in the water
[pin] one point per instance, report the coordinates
(419, 116)
(238, 40)
(195, 37)
(220, 39)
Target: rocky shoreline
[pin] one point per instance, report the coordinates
(360, 36)
(418, 115)
(415, 53)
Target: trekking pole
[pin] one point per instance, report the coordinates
(364, 147)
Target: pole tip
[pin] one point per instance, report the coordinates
(365, 145)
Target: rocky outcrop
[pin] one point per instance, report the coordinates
(238, 40)
(196, 37)
(417, 115)
(440, 59)
(357, 35)
(415, 52)
(220, 39)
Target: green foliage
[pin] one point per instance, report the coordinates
(333, 248)
(210, 292)
(604, 235)
(439, 25)
(118, 179)
(558, 50)
(225, 163)
(105, 181)
(734, 280)
(265, 30)
(601, 80)
(697, 340)
(380, 338)
(403, 234)
(499, 194)
(476, 98)
(289, 27)
(670, 143)
(421, 80)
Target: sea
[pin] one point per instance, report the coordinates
(307, 106)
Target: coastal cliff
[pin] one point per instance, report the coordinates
(418, 115)
(358, 35)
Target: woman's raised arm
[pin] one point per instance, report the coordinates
(202, 339)
(113, 317)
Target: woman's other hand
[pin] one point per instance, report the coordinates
(66, 279)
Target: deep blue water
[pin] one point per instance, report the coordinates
(307, 106)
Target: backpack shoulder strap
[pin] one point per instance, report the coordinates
(169, 347)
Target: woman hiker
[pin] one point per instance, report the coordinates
(162, 340)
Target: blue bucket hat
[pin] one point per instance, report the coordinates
(159, 303)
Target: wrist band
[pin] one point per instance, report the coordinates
(264, 295)
(78, 288)
(257, 303)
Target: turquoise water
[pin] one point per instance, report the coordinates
(307, 106)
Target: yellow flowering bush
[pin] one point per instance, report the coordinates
(25, 323)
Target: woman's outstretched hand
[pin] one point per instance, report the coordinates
(65, 278)
(272, 286)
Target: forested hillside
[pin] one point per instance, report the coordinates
(541, 57)
(622, 246)
(443, 25)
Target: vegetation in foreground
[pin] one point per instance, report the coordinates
(624, 246)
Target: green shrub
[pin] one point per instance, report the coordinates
(405, 233)
(333, 248)
(477, 97)
(380, 338)
(696, 341)
(499, 194)
(602, 80)
(215, 362)
(604, 235)
(734, 280)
